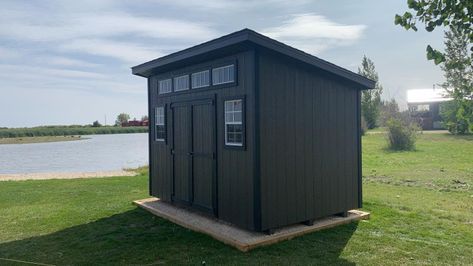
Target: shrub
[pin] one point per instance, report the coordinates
(401, 134)
(456, 118)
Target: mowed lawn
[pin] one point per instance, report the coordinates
(421, 206)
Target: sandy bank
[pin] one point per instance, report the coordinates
(65, 175)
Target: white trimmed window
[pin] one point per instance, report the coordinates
(181, 83)
(165, 86)
(222, 75)
(423, 107)
(160, 124)
(201, 79)
(234, 122)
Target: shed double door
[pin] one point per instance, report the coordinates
(193, 150)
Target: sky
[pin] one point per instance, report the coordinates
(68, 62)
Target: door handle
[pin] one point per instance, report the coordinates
(190, 153)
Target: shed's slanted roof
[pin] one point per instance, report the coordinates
(238, 41)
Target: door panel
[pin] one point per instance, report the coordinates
(203, 147)
(181, 144)
(194, 145)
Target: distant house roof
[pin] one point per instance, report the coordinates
(427, 95)
(238, 41)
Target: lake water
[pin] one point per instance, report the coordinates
(97, 153)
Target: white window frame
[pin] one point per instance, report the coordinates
(220, 68)
(423, 107)
(227, 143)
(176, 82)
(197, 73)
(160, 85)
(160, 122)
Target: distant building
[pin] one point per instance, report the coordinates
(425, 105)
(135, 123)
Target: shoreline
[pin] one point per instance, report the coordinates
(40, 139)
(68, 131)
(64, 175)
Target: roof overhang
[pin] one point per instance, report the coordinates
(238, 41)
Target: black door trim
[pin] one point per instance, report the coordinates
(190, 104)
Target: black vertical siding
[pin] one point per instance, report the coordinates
(309, 143)
(160, 160)
(358, 124)
(306, 163)
(234, 167)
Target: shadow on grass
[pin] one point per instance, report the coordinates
(386, 149)
(467, 137)
(137, 237)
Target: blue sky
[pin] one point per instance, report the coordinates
(65, 62)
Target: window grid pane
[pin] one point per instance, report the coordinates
(234, 123)
(165, 86)
(237, 105)
(181, 83)
(160, 115)
(160, 123)
(225, 74)
(201, 79)
(160, 132)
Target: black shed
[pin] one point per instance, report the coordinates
(254, 132)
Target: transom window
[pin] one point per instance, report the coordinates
(234, 122)
(160, 124)
(165, 86)
(201, 79)
(222, 75)
(181, 83)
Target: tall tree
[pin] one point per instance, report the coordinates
(455, 14)
(458, 71)
(388, 109)
(370, 99)
(96, 123)
(122, 118)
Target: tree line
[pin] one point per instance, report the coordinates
(120, 120)
(456, 62)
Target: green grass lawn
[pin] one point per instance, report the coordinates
(420, 215)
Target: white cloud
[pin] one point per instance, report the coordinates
(15, 77)
(10, 70)
(114, 34)
(103, 25)
(314, 33)
(7, 53)
(235, 5)
(65, 61)
(129, 52)
(121, 24)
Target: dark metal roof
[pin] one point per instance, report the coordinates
(240, 40)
